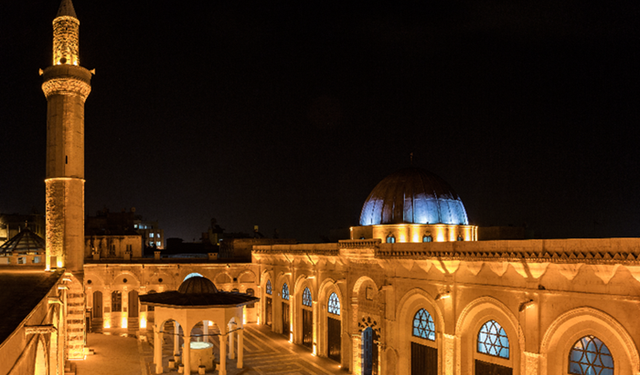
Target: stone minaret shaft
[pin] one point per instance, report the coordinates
(66, 87)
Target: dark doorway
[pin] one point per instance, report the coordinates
(486, 368)
(268, 312)
(133, 310)
(97, 305)
(369, 352)
(424, 360)
(334, 339)
(285, 319)
(307, 328)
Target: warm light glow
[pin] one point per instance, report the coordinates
(124, 323)
(200, 345)
(210, 323)
(258, 319)
(106, 324)
(291, 337)
(143, 321)
(314, 349)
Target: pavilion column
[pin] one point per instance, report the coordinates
(186, 355)
(232, 352)
(223, 356)
(240, 348)
(205, 330)
(176, 338)
(157, 348)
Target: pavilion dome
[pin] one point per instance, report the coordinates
(197, 285)
(413, 196)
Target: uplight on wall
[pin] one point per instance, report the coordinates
(442, 296)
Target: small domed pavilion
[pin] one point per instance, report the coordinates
(198, 300)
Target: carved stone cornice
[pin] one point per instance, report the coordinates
(66, 86)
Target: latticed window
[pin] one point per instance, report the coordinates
(268, 288)
(426, 238)
(334, 304)
(493, 340)
(423, 325)
(116, 301)
(285, 291)
(590, 356)
(306, 297)
(391, 238)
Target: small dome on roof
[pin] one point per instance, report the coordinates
(197, 285)
(414, 196)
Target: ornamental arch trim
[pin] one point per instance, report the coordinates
(616, 337)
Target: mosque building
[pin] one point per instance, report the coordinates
(412, 291)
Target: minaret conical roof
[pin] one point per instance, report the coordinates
(66, 9)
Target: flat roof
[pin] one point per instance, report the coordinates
(21, 289)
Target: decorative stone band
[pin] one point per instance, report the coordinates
(40, 329)
(66, 86)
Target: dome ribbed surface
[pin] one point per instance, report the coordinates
(413, 196)
(197, 285)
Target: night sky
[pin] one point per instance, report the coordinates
(287, 115)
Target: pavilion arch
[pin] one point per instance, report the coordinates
(414, 300)
(472, 318)
(569, 327)
(359, 282)
(41, 365)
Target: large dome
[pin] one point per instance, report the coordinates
(413, 196)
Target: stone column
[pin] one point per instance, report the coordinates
(176, 338)
(240, 348)
(223, 355)
(157, 349)
(186, 355)
(205, 330)
(232, 351)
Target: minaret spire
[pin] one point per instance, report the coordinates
(66, 39)
(66, 9)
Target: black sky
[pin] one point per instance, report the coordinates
(287, 115)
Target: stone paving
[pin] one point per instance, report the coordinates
(129, 353)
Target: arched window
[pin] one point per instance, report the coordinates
(285, 291)
(194, 274)
(391, 238)
(268, 287)
(590, 356)
(423, 325)
(334, 304)
(493, 340)
(116, 301)
(460, 238)
(427, 238)
(306, 297)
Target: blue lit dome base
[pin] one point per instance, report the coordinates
(413, 196)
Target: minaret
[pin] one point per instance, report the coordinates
(66, 86)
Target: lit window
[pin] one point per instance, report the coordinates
(151, 235)
(116, 301)
(423, 325)
(460, 238)
(492, 340)
(306, 297)
(589, 356)
(135, 226)
(334, 304)
(268, 288)
(427, 238)
(285, 291)
(391, 238)
(158, 243)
